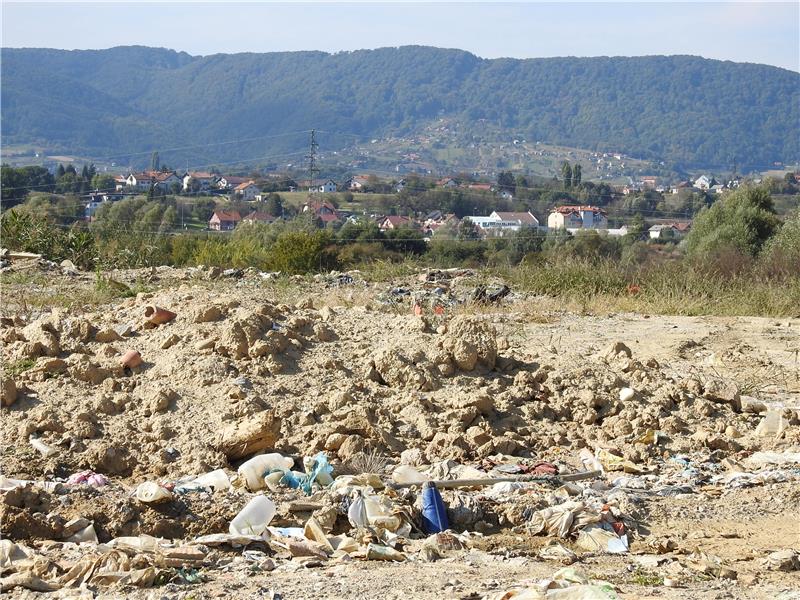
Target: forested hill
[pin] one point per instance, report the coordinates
(688, 111)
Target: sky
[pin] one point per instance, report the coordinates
(760, 32)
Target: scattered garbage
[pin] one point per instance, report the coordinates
(150, 492)
(254, 518)
(434, 514)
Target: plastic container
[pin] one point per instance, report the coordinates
(379, 515)
(405, 474)
(216, 480)
(357, 513)
(434, 514)
(378, 552)
(254, 517)
(150, 492)
(254, 470)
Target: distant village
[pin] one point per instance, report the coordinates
(569, 217)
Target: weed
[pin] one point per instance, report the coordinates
(365, 462)
(20, 366)
(645, 577)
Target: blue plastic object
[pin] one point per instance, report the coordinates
(304, 482)
(434, 513)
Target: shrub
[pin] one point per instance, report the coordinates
(741, 221)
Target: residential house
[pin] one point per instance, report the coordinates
(325, 211)
(357, 183)
(224, 220)
(522, 219)
(500, 223)
(202, 179)
(649, 182)
(120, 182)
(229, 182)
(327, 187)
(577, 217)
(704, 183)
(247, 191)
(395, 222)
(256, 217)
(436, 219)
(400, 186)
(162, 181)
(447, 182)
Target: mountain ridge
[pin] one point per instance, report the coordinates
(686, 110)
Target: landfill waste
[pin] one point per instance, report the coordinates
(434, 514)
(283, 424)
(565, 584)
(150, 492)
(254, 518)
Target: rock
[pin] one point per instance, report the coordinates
(170, 341)
(9, 392)
(350, 447)
(84, 369)
(42, 339)
(617, 348)
(470, 342)
(159, 401)
(324, 333)
(626, 394)
(124, 329)
(719, 390)
(107, 335)
(207, 314)
(395, 367)
(249, 436)
(205, 344)
(335, 441)
(782, 560)
(413, 457)
(326, 313)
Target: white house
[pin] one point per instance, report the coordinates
(704, 183)
(327, 187)
(204, 180)
(499, 223)
(247, 191)
(575, 217)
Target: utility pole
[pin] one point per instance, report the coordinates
(312, 159)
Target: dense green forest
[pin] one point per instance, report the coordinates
(122, 102)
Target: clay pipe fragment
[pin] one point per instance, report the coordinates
(157, 315)
(131, 359)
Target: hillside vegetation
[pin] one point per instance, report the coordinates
(688, 111)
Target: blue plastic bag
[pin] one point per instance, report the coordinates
(304, 482)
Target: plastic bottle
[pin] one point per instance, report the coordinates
(406, 474)
(253, 470)
(216, 480)
(254, 517)
(434, 514)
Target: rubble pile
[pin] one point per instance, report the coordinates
(199, 430)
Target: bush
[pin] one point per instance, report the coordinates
(740, 222)
(781, 254)
(299, 252)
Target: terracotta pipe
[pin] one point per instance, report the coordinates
(157, 315)
(131, 359)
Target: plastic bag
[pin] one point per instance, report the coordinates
(319, 467)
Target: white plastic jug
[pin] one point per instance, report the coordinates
(216, 480)
(254, 517)
(253, 470)
(407, 474)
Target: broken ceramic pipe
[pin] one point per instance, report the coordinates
(131, 359)
(157, 316)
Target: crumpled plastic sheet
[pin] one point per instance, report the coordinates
(765, 476)
(89, 478)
